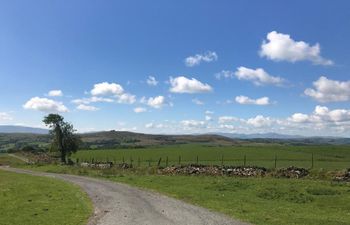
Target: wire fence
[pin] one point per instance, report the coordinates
(273, 162)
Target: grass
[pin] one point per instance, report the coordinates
(5, 159)
(261, 201)
(326, 156)
(31, 200)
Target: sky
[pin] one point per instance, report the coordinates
(186, 66)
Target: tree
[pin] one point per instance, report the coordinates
(64, 140)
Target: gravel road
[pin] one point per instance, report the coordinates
(120, 204)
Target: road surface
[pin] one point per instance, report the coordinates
(120, 204)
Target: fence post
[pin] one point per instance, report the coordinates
(159, 161)
(245, 160)
(166, 162)
(180, 160)
(149, 163)
(275, 161)
(222, 160)
(131, 161)
(123, 160)
(312, 160)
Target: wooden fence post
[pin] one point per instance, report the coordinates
(159, 161)
(166, 162)
(197, 160)
(312, 160)
(180, 160)
(245, 160)
(222, 160)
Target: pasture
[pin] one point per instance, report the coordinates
(31, 200)
(328, 157)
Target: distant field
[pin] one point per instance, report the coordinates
(31, 200)
(328, 157)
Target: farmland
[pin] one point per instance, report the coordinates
(328, 157)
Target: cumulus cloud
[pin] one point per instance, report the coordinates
(281, 47)
(87, 107)
(55, 93)
(190, 124)
(198, 58)
(182, 84)
(326, 90)
(260, 121)
(151, 81)
(140, 110)
(106, 88)
(45, 105)
(126, 98)
(155, 102)
(248, 101)
(224, 74)
(4, 116)
(258, 76)
(322, 114)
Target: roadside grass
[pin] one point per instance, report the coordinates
(7, 160)
(31, 200)
(326, 157)
(261, 201)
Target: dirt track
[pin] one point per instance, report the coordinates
(120, 204)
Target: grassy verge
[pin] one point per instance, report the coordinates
(31, 200)
(261, 201)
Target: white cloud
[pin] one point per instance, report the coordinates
(87, 107)
(224, 74)
(197, 101)
(4, 116)
(260, 121)
(322, 115)
(155, 102)
(153, 125)
(106, 88)
(326, 90)
(281, 47)
(87, 101)
(149, 125)
(126, 98)
(258, 76)
(151, 81)
(189, 124)
(45, 105)
(140, 110)
(198, 58)
(209, 112)
(182, 84)
(299, 118)
(55, 93)
(208, 118)
(246, 100)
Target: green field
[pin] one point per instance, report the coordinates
(329, 157)
(261, 201)
(31, 200)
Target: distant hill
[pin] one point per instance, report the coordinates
(17, 138)
(22, 129)
(260, 135)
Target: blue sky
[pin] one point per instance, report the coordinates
(286, 65)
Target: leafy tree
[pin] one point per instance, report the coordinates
(64, 140)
